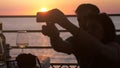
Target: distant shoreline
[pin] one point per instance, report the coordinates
(35, 15)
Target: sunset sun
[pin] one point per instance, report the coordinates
(43, 9)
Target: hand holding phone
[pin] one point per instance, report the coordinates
(49, 16)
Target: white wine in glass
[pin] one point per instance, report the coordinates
(22, 45)
(22, 39)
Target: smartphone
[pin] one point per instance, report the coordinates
(45, 16)
(42, 16)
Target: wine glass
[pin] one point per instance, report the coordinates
(22, 39)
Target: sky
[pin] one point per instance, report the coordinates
(31, 7)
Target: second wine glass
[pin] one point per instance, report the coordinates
(22, 40)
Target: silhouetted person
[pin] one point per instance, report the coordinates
(26, 61)
(93, 44)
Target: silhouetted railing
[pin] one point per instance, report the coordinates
(64, 65)
(18, 16)
(52, 65)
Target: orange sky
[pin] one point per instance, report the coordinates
(30, 7)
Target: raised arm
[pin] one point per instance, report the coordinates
(56, 41)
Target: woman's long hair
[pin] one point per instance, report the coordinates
(107, 25)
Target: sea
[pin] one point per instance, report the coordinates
(38, 39)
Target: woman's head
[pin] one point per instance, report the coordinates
(101, 27)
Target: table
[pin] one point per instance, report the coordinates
(44, 61)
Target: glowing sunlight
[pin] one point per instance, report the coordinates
(43, 9)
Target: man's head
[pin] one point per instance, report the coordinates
(84, 11)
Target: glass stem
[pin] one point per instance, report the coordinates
(22, 50)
